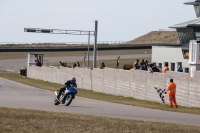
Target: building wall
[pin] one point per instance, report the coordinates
(129, 83)
(170, 54)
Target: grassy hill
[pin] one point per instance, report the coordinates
(149, 39)
(157, 37)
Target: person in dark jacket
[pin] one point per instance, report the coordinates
(67, 85)
(136, 64)
(118, 61)
(142, 66)
(154, 68)
(102, 65)
(74, 65)
(39, 63)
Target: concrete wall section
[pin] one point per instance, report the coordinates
(63, 75)
(138, 84)
(109, 81)
(122, 83)
(87, 79)
(194, 93)
(134, 83)
(51, 74)
(97, 79)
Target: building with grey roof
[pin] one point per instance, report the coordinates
(179, 55)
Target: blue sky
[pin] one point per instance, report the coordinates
(119, 20)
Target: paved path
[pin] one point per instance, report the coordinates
(19, 63)
(17, 95)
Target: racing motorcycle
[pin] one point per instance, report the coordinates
(67, 96)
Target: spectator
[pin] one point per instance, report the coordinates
(118, 61)
(63, 64)
(146, 64)
(36, 62)
(142, 61)
(172, 93)
(165, 68)
(142, 66)
(74, 65)
(39, 63)
(180, 69)
(102, 65)
(84, 57)
(136, 64)
(154, 68)
(78, 64)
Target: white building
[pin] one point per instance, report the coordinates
(187, 54)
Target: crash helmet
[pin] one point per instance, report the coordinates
(73, 80)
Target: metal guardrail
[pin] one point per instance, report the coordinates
(68, 43)
(84, 43)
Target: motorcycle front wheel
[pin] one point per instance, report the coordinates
(68, 99)
(56, 102)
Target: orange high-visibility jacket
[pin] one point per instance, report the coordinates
(165, 69)
(172, 88)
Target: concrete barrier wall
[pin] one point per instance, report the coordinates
(134, 83)
(97, 80)
(109, 81)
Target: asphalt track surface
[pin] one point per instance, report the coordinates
(17, 64)
(17, 95)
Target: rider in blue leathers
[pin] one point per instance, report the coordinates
(67, 84)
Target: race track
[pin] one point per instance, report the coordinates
(17, 95)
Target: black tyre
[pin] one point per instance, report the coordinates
(69, 99)
(56, 102)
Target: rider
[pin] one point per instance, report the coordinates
(67, 84)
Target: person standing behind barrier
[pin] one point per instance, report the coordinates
(172, 93)
(180, 69)
(166, 68)
(102, 65)
(74, 65)
(78, 64)
(142, 66)
(36, 62)
(136, 64)
(39, 63)
(118, 62)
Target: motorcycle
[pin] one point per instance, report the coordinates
(67, 96)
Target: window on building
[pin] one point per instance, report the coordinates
(179, 64)
(199, 54)
(166, 63)
(197, 10)
(172, 66)
(160, 65)
(197, 35)
(186, 70)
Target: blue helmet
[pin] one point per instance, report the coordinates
(73, 80)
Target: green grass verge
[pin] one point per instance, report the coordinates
(33, 121)
(99, 96)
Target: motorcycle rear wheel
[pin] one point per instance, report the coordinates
(68, 100)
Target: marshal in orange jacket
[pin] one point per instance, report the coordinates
(172, 89)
